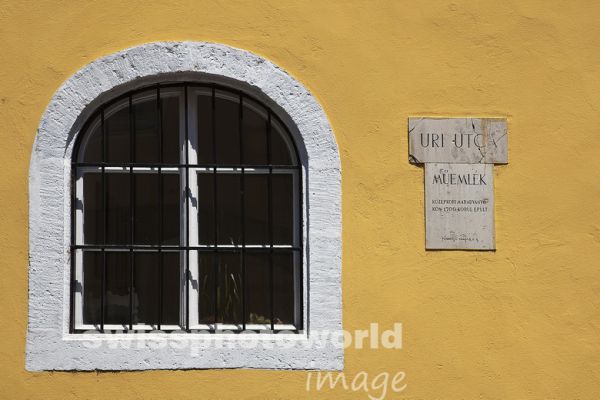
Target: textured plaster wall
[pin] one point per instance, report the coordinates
(522, 322)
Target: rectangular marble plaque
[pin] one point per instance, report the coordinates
(458, 140)
(459, 206)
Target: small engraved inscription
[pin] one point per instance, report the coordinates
(459, 206)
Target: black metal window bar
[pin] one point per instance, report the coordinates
(122, 283)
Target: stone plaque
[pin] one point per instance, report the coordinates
(459, 206)
(458, 140)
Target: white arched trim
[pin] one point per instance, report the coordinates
(50, 346)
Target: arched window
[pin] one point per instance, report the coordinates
(161, 204)
(186, 214)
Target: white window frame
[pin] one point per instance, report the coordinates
(50, 346)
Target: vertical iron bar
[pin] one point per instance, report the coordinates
(215, 204)
(104, 221)
(187, 214)
(159, 124)
(270, 208)
(243, 201)
(160, 206)
(131, 208)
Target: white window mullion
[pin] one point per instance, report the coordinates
(192, 219)
(183, 255)
(78, 254)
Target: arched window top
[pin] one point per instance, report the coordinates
(160, 117)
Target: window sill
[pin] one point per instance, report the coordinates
(171, 351)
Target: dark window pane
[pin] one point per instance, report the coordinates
(147, 211)
(170, 129)
(281, 152)
(205, 128)
(92, 286)
(229, 291)
(117, 133)
(171, 209)
(256, 208)
(118, 216)
(117, 288)
(171, 288)
(147, 208)
(147, 286)
(254, 129)
(206, 288)
(92, 209)
(91, 144)
(146, 289)
(283, 284)
(229, 209)
(258, 302)
(227, 128)
(146, 128)
(206, 210)
(283, 206)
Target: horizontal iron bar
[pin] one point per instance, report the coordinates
(207, 249)
(181, 329)
(165, 165)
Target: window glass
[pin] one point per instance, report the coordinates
(118, 275)
(118, 212)
(258, 298)
(171, 287)
(156, 289)
(205, 127)
(229, 289)
(93, 142)
(92, 286)
(147, 208)
(283, 288)
(256, 199)
(206, 208)
(254, 128)
(92, 208)
(283, 217)
(171, 125)
(149, 198)
(229, 210)
(227, 128)
(171, 209)
(206, 288)
(281, 149)
(145, 115)
(117, 133)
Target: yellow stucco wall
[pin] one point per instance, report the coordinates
(521, 322)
